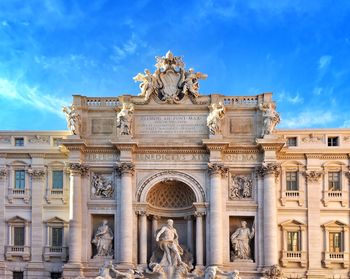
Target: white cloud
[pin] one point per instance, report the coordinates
(308, 119)
(324, 62)
(284, 96)
(26, 95)
(126, 49)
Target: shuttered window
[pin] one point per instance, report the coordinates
(18, 236)
(57, 237)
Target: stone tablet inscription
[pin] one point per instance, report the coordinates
(171, 125)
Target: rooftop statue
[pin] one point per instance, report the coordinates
(271, 118)
(170, 82)
(217, 113)
(124, 119)
(73, 119)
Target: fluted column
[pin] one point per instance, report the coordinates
(269, 171)
(126, 171)
(154, 229)
(142, 236)
(3, 186)
(37, 178)
(215, 214)
(75, 235)
(199, 237)
(189, 220)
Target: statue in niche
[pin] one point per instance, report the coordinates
(170, 260)
(271, 118)
(102, 187)
(103, 240)
(240, 242)
(149, 83)
(217, 113)
(124, 119)
(73, 119)
(169, 243)
(241, 187)
(191, 84)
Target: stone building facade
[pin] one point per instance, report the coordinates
(242, 195)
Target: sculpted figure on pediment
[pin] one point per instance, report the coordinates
(170, 82)
(216, 115)
(73, 119)
(271, 118)
(124, 119)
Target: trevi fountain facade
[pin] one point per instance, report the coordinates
(171, 183)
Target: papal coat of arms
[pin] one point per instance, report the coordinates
(170, 82)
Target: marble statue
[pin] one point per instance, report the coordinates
(240, 242)
(271, 118)
(103, 240)
(191, 84)
(124, 119)
(217, 113)
(148, 85)
(211, 272)
(102, 187)
(108, 268)
(170, 82)
(168, 240)
(73, 119)
(169, 259)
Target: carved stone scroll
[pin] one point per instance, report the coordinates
(313, 176)
(78, 168)
(122, 168)
(217, 169)
(269, 168)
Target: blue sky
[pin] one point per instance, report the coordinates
(299, 50)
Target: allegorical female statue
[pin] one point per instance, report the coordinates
(103, 240)
(124, 119)
(217, 113)
(73, 119)
(271, 118)
(240, 241)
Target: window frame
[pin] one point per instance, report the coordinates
(333, 141)
(55, 171)
(289, 182)
(294, 140)
(23, 171)
(19, 140)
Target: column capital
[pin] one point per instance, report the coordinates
(78, 168)
(268, 168)
(4, 172)
(156, 217)
(141, 212)
(125, 168)
(313, 176)
(36, 173)
(199, 213)
(215, 168)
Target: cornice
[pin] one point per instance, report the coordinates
(215, 144)
(241, 149)
(127, 145)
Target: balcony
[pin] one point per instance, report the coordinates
(56, 194)
(14, 193)
(330, 258)
(296, 196)
(51, 252)
(335, 196)
(289, 257)
(13, 252)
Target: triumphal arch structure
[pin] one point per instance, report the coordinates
(171, 183)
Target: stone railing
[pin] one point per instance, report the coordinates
(335, 196)
(13, 251)
(293, 257)
(250, 101)
(292, 194)
(336, 258)
(51, 252)
(14, 193)
(100, 102)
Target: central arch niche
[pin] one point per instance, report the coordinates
(171, 195)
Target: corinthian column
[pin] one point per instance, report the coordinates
(37, 176)
(142, 236)
(215, 214)
(269, 171)
(75, 235)
(126, 171)
(199, 238)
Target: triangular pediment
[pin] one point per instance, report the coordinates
(335, 223)
(17, 219)
(292, 223)
(56, 220)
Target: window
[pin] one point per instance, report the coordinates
(333, 141)
(57, 179)
(292, 141)
(293, 241)
(18, 234)
(56, 275)
(17, 275)
(335, 242)
(57, 237)
(334, 181)
(19, 179)
(292, 181)
(19, 141)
